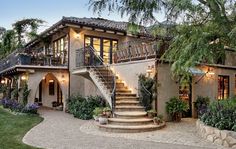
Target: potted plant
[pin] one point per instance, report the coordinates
(103, 120)
(107, 111)
(96, 112)
(175, 107)
(151, 113)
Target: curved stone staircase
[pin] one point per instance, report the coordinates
(129, 115)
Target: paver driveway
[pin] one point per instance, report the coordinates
(60, 130)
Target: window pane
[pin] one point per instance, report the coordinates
(106, 51)
(97, 45)
(223, 87)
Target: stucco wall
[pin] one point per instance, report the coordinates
(130, 71)
(206, 86)
(35, 78)
(167, 88)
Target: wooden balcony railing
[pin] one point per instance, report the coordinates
(19, 58)
(132, 51)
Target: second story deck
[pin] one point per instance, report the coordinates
(22, 59)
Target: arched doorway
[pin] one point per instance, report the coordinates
(49, 92)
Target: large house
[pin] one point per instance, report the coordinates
(94, 56)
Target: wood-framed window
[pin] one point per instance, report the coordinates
(60, 49)
(105, 47)
(223, 87)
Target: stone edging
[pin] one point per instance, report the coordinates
(216, 136)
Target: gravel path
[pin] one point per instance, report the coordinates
(60, 130)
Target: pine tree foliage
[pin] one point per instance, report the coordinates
(204, 28)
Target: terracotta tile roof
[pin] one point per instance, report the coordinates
(104, 24)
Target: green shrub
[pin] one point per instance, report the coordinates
(174, 107)
(82, 107)
(97, 111)
(221, 114)
(146, 85)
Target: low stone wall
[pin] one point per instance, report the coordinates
(220, 137)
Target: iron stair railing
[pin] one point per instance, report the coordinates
(87, 57)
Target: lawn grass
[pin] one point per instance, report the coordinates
(14, 127)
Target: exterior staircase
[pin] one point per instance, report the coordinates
(129, 115)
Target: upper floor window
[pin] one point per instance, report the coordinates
(223, 87)
(60, 50)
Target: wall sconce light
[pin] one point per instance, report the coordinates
(210, 72)
(51, 81)
(63, 78)
(77, 35)
(23, 77)
(3, 81)
(149, 70)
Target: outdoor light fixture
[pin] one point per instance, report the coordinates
(209, 72)
(63, 78)
(3, 81)
(150, 70)
(23, 77)
(77, 35)
(51, 81)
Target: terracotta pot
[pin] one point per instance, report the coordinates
(157, 122)
(177, 117)
(108, 113)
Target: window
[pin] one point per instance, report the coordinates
(60, 49)
(223, 87)
(51, 87)
(104, 47)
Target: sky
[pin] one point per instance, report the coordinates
(49, 10)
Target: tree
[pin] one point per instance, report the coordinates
(204, 28)
(12, 39)
(28, 27)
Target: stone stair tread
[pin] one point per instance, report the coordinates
(120, 93)
(125, 97)
(130, 120)
(127, 101)
(131, 113)
(129, 107)
(123, 89)
(139, 127)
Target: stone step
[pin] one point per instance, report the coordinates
(117, 84)
(125, 94)
(129, 122)
(130, 114)
(130, 129)
(119, 98)
(127, 102)
(129, 108)
(122, 90)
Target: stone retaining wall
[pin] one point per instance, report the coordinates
(220, 137)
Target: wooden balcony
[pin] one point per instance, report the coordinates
(26, 59)
(133, 51)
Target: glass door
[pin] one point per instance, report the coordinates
(185, 94)
(104, 47)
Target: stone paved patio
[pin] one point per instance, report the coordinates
(62, 131)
